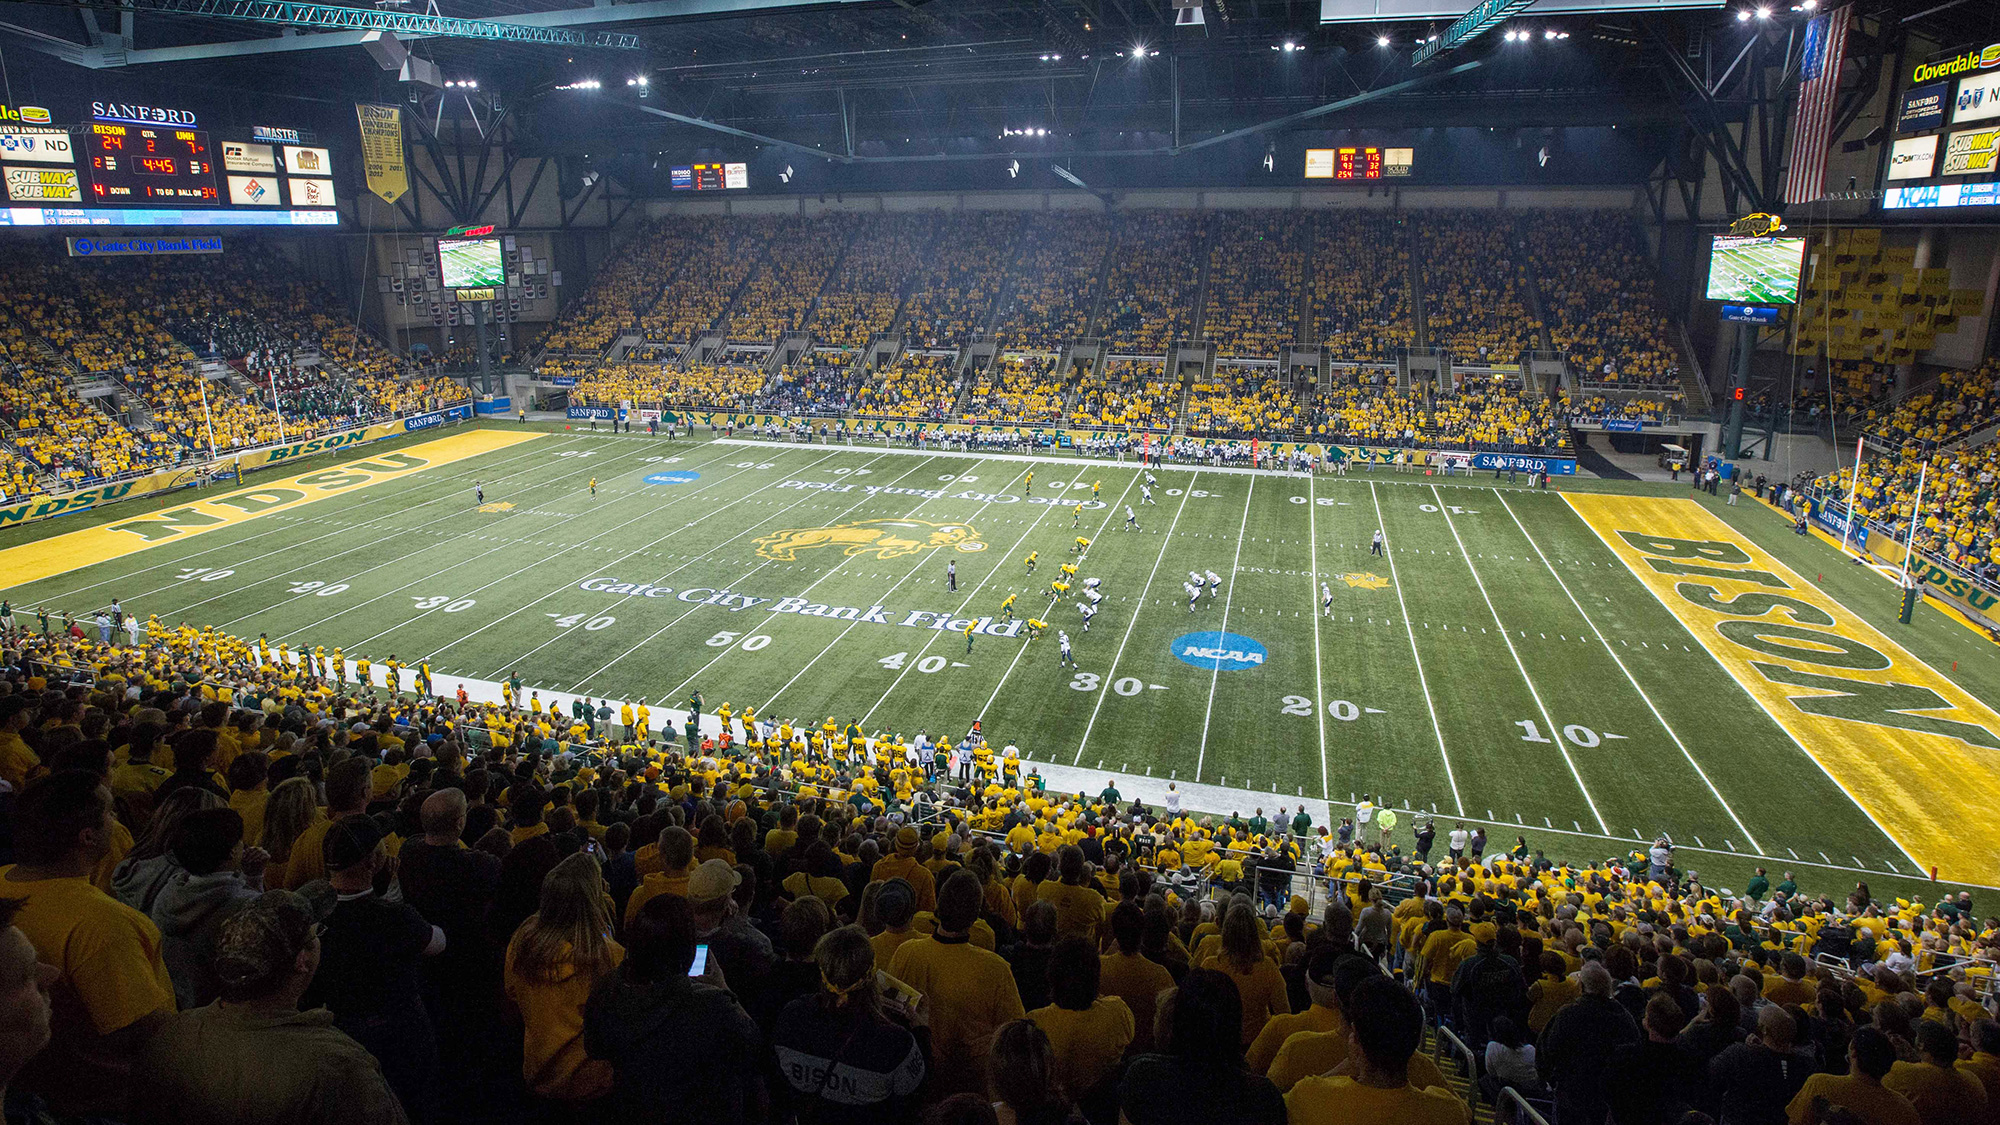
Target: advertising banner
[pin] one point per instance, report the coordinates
(38, 146)
(602, 413)
(1527, 463)
(382, 150)
(1971, 152)
(1923, 107)
(438, 418)
(1912, 158)
(1978, 98)
(43, 185)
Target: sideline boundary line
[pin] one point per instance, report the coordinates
(1312, 603)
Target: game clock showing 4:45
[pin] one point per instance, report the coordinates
(150, 164)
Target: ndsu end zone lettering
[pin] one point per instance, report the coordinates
(1916, 752)
(58, 554)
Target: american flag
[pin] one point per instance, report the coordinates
(1819, 80)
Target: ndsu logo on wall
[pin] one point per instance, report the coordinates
(1217, 651)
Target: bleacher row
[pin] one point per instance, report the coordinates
(306, 900)
(100, 364)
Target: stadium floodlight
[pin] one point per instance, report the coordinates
(1381, 41)
(1763, 13)
(1742, 15)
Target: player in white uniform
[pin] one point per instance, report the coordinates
(1089, 611)
(1214, 584)
(1195, 578)
(1092, 595)
(1193, 593)
(1146, 494)
(1062, 639)
(1151, 480)
(1131, 518)
(1092, 583)
(1326, 599)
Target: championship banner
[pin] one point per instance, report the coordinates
(382, 150)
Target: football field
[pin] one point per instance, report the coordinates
(1583, 668)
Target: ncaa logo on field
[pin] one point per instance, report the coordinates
(1225, 652)
(677, 476)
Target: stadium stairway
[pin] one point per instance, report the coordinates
(1093, 325)
(1419, 323)
(1517, 244)
(1200, 318)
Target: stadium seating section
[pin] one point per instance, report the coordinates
(1285, 942)
(1127, 395)
(1256, 269)
(1475, 295)
(1054, 281)
(1155, 280)
(914, 388)
(1361, 287)
(1598, 293)
(128, 366)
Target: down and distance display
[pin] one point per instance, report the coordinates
(150, 164)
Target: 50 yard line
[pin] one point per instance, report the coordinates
(1609, 651)
(1555, 731)
(1389, 553)
(1215, 675)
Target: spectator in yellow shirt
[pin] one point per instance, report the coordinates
(1386, 1029)
(553, 961)
(1088, 1032)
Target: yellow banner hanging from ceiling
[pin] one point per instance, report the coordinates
(382, 150)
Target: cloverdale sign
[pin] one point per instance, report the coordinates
(1953, 63)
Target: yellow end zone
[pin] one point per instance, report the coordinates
(58, 554)
(1914, 750)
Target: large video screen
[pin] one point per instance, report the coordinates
(470, 263)
(1755, 271)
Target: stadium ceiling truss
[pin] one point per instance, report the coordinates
(1736, 86)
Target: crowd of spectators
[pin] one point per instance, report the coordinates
(1154, 281)
(1242, 401)
(1475, 303)
(695, 387)
(713, 258)
(1019, 389)
(1960, 505)
(1603, 309)
(1361, 286)
(916, 387)
(1367, 412)
(883, 252)
(1127, 394)
(242, 891)
(1490, 414)
(1256, 270)
(810, 387)
(967, 267)
(802, 255)
(1055, 282)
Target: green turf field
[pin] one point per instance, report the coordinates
(1499, 663)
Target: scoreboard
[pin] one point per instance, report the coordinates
(1360, 162)
(141, 165)
(708, 177)
(150, 164)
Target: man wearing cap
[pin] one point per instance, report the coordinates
(370, 964)
(1486, 985)
(253, 1056)
(902, 864)
(742, 950)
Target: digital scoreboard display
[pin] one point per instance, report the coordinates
(1360, 162)
(1755, 271)
(150, 164)
(132, 164)
(708, 177)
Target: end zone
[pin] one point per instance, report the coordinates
(1915, 751)
(45, 558)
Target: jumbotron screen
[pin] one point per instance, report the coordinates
(470, 263)
(1755, 271)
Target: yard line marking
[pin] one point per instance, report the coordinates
(768, 704)
(1554, 730)
(1423, 682)
(1002, 561)
(1216, 675)
(692, 559)
(441, 570)
(518, 610)
(321, 561)
(285, 518)
(830, 572)
(1110, 676)
(1668, 727)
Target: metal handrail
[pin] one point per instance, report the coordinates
(1510, 1097)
